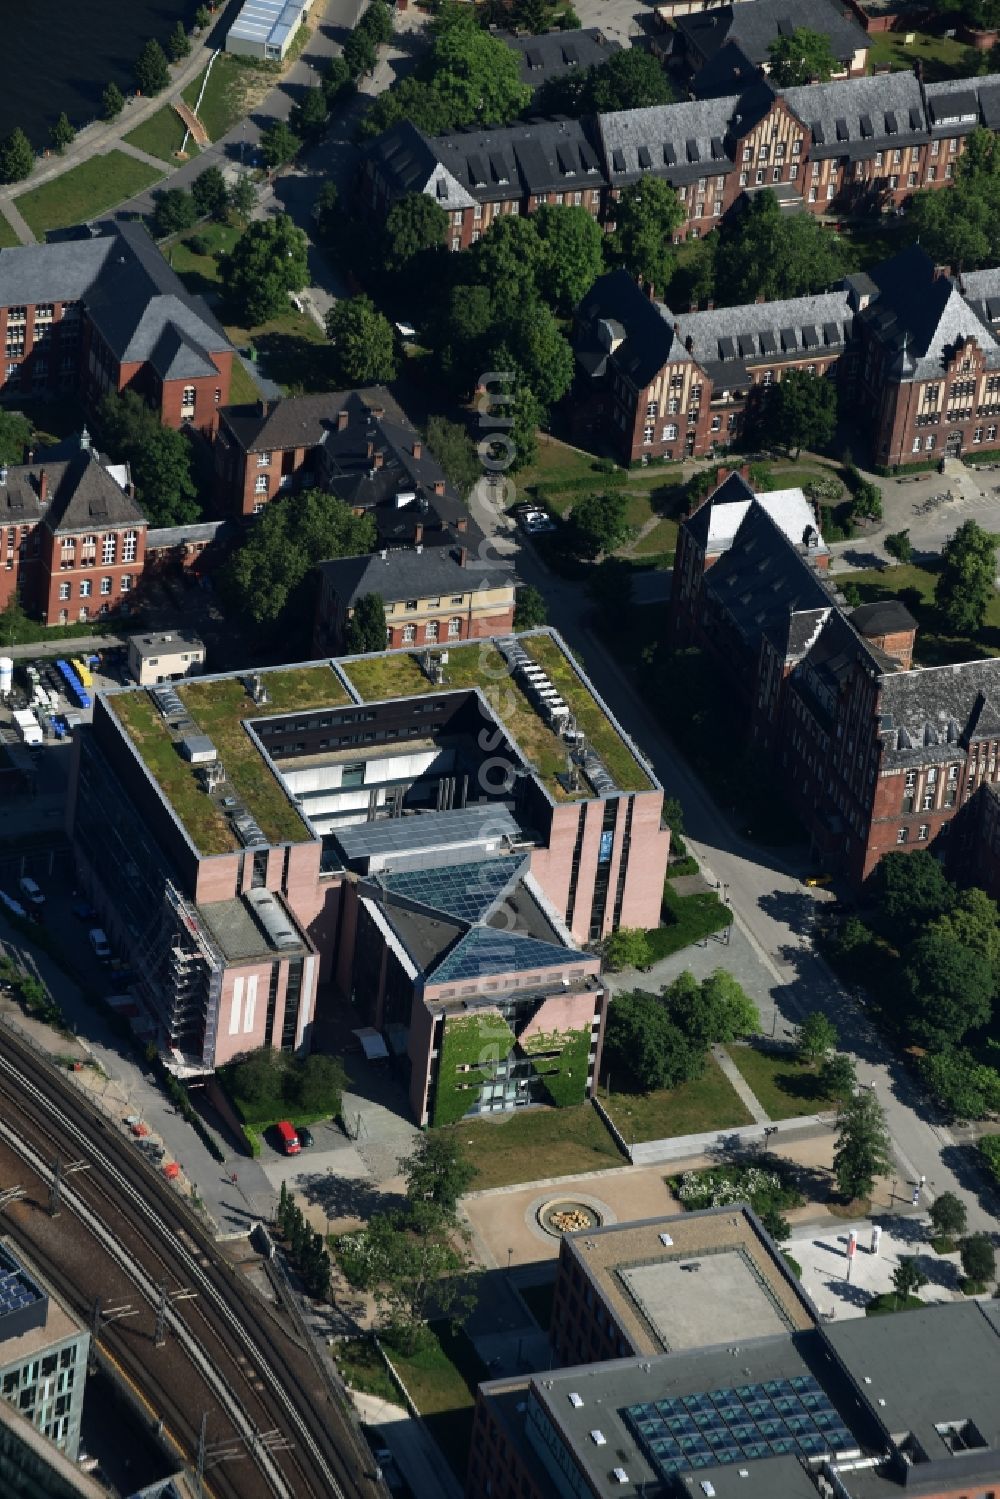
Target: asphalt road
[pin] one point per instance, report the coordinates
(774, 909)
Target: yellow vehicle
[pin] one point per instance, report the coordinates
(812, 880)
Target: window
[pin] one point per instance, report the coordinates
(64, 590)
(717, 424)
(431, 632)
(408, 634)
(932, 174)
(125, 584)
(775, 174)
(456, 598)
(410, 604)
(454, 629)
(108, 547)
(129, 545)
(922, 832)
(652, 408)
(647, 432)
(105, 585)
(86, 588)
(767, 377)
(812, 195)
(930, 443)
(670, 432)
(260, 484)
(911, 179)
(743, 179)
(977, 436)
(902, 834)
(673, 406)
(916, 444)
(747, 153)
(16, 315)
(879, 158)
(935, 148)
(187, 401)
(991, 432)
(893, 181)
(259, 506)
(797, 146)
(831, 190)
(927, 804)
(759, 176)
(949, 172)
(263, 460)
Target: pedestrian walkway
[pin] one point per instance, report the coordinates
(191, 120)
(740, 1085)
(417, 1456)
(140, 155)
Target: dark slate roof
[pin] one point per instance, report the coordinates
(405, 574)
(924, 709)
(883, 617)
(755, 26)
(51, 272)
(145, 313)
(726, 73)
(85, 497)
(761, 332)
(616, 308)
(762, 579)
(296, 421)
(173, 536)
(557, 53)
(920, 316)
(734, 489)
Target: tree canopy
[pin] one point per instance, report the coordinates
(267, 573)
(530, 608)
(159, 459)
(267, 262)
(803, 57)
(366, 626)
(17, 158)
(767, 255)
(151, 71)
(965, 585)
(629, 79)
(437, 1173)
(862, 1152)
(210, 194)
(800, 411)
(572, 258)
(598, 524)
(364, 344)
(960, 228)
(414, 224)
(911, 889)
(817, 1037)
(647, 215)
(947, 989)
(15, 434)
(660, 1041)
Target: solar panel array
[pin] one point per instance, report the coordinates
(486, 950)
(466, 891)
(15, 1292)
(784, 1417)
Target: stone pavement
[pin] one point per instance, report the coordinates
(842, 1288)
(740, 1085)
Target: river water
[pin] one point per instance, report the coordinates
(60, 54)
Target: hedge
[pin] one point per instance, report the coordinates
(989, 1149)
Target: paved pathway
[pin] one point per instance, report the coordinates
(416, 1454)
(740, 1085)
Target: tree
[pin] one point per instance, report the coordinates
(309, 114)
(62, 133)
(449, 442)
(531, 344)
(967, 1089)
(803, 57)
(279, 145)
(437, 1173)
(267, 573)
(801, 411)
(178, 45)
(508, 260)
(243, 197)
(414, 224)
(647, 215)
(837, 1077)
(17, 158)
(159, 458)
(572, 247)
(414, 1274)
(326, 213)
(729, 1012)
(899, 546)
(151, 72)
(907, 1278)
(14, 621)
(629, 79)
(337, 82)
(852, 595)
(946, 989)
(979, 1261)
(530, 608)
(268, 261)
(360, 54)
(15, 434)
(628, 947)
(766, 254)
(973, 921)
(598, 524)
(364, 344)
(948, 1216)
(965, 585)
(863, 1151)
(866, 498)
(366, 626)
(202, 17)
(816, 1038)
(317, 1085)
(644, 1045)
(210, 194)
(911, 890)
(112, 101)
(256, 1078)
(474, 74)
(174, 210)
(377, 22)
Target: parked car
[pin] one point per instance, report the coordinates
(287, 1138)
(533, 522)
(100, 944)
(305, 1136)
(31, 890)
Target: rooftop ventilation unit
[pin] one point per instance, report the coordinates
(598, 1438)
(254, 684)
(248, 831)
(575, 1400)
(169, 703)
(271, 915)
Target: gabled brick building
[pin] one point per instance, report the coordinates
(72, 538)
(108, 313)
(725, 45)
(874, 754)
(857, 145)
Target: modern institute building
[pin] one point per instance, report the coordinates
(43, 1354)
(431, 836)
(107, 313)
(915, 352)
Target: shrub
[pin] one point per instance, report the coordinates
(768, 1190)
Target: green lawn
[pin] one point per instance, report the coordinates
(534, 1144)
(706, 1103)
(442, 1378)
(660, 541)
(161, 135)
(559, 463)
(601, 734)
(8, 239)
(785, 1086)
(361, 1365)
(941, 56)
(915, 587)
(227, 90)
(85, 191)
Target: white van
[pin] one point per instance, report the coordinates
(100, 944)
(31, 891)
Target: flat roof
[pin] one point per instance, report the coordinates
(271, 21)
(388, 842)
(168, 642)
(238, 934)
(59, 1326)
(740, 1289)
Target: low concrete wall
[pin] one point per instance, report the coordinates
(650, 1152)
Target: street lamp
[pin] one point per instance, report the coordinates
(510, 1253)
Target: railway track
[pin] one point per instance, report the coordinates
(260, 1380)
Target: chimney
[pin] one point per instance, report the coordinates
(439, 486)
(371, 448)
(418, 531)
(689, 343)
(419, 550)
(463, 556)
(343, 417)
(418, 449)
(462, 524)
(29, 456)
(941, 271)
(710, 303)
(262, 407)
(379, 457)
(43, 485)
